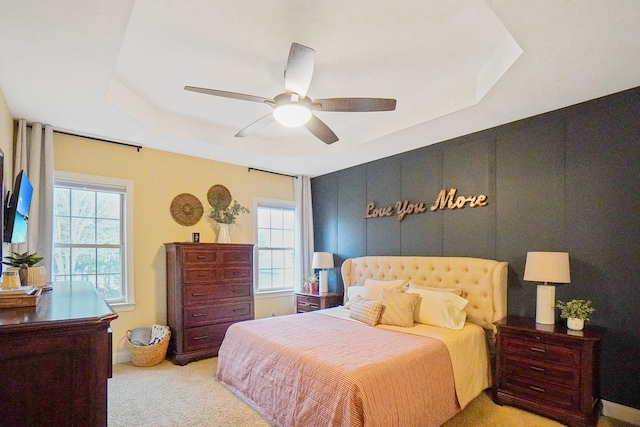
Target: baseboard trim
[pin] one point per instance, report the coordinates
(121, 357)
(621, 412)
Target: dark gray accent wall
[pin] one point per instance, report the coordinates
(568, 180)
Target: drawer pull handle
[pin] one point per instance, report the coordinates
(237, 291)
(198, 314)
(198, 294)
(235, 310)
(537, 369)
(201, 274)
(537, 349)
(538, 389)
(203, 337)
(201, 257)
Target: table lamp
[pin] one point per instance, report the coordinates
(322, 261)
(549, 268)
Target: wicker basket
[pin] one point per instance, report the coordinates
(148, 355)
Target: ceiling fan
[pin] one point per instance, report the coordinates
(293, 108)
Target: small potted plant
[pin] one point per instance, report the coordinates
(576, 312)
(310, 283)
(24, 263)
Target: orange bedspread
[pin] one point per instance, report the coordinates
(315, 370)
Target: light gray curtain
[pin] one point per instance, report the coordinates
(304, 226)
(34, 155)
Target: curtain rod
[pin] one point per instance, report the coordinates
(275, 173)
(125, 144)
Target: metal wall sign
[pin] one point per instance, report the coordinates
(444, 200)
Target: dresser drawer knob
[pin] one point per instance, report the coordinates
(537, 369)
(201, 274)
(237, 291)
(203, 337)
(198, 314)
(198, 294)
(538, 389)
(235, 310)
(537, 349)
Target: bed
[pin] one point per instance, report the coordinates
(331, 368)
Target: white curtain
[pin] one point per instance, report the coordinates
(304, 226)
(34, 155)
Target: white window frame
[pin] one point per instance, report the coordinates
(93, 181)
(276, 203)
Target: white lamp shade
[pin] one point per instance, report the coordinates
(547, 267)
(322, 260)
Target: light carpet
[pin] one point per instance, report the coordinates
(167, 395)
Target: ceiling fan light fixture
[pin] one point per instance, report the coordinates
(292, 115)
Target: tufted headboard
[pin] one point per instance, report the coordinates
(483, 281)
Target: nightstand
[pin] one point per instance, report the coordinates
(548, 369)
(311, 302)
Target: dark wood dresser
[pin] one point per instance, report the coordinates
(549, 370)
(55, 359)
(312, 302)
(209, 287)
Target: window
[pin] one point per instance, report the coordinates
(275, 221)
(92, 234)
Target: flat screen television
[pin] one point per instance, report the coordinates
(16, 212)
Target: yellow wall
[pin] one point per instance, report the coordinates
(6, 145)
(158, 177)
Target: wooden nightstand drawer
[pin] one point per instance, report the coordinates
(567, 376)
(568, 397)
(311, 302)
(541, 350)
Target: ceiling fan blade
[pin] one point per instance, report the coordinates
(225, 94)
(356, 104)
(321, 130)
(297, 75)
(258, 124)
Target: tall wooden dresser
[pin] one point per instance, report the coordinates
(209, 287)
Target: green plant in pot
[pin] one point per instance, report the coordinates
(310, 283)
(576, 311)
(23, 262)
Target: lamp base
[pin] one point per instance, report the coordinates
(324, 284)
(546, 305)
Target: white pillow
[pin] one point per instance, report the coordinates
(373, 287)
(442, 309)
(456, 291)
(352, 291)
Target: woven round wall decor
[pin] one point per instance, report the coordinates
(219, 192)
(186, 209)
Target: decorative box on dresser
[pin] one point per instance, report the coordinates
(55, 359)
(209, 287)
(312, 302)
(549, 369)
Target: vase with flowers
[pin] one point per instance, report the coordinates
(224, 216)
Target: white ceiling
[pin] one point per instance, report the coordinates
(116, 70)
